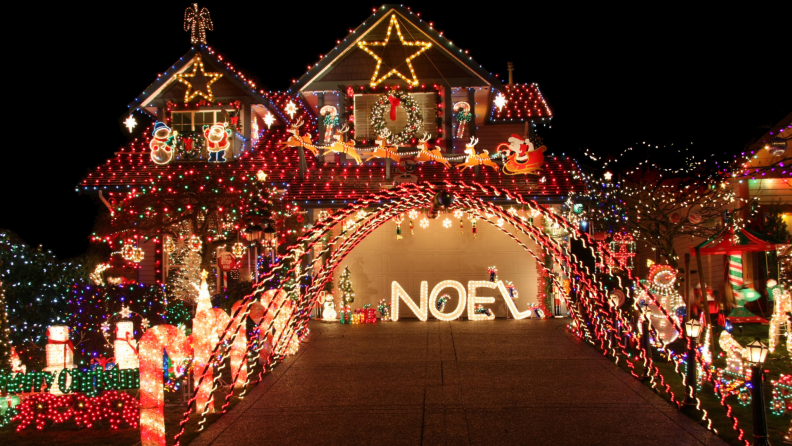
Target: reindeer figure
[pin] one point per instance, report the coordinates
(430, 155)
(295, 140)
(474, 159)
(383, 151)
(339, 146)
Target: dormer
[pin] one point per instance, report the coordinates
(208, 111)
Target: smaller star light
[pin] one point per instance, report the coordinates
(269, 119)
(361, 214)
(145, 324)
(487, 215)
(512, 211)
(447, 223)
(125, 312)
(459, 214)
(424, 223)
(608, 176)
(349, 224)
(130, 123)
(535, 213)
(500, 222)
(261, 176)
(413, 214)
(291, 109)
(105, 326)
(500, 101)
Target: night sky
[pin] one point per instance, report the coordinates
(615, 77)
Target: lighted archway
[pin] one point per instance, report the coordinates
(596, 320)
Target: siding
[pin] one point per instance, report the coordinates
(433, 255)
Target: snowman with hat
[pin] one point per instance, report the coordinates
(525, 158)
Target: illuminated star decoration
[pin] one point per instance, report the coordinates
(423, 47)
(105, 326)
(145, 324)
(447, 223)
(269, 119)
(261, 176)
(192, 92)
(125, 312)
(608, 176)
(291, 109)
(130, 123)
(500, 101)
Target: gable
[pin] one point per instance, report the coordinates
(349, 64)
(221, 88)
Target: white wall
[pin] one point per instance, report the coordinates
(433, 255)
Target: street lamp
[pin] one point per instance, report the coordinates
(253, 234)
(757, 352)
(692, 330)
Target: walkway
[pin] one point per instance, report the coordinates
(459, 383)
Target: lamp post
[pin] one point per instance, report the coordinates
(757, 352)
(692, 330)
(253, 234)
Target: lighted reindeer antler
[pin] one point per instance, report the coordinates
(197, 21)
(385, 134)
(298, 124)
(473, 141)
(344, 128)
(425, 138)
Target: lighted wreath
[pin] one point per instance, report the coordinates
(388, 103)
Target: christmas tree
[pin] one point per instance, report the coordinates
(344, 284)
(185, 281)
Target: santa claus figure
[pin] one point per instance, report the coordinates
(525, 158)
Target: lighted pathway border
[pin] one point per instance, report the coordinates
(431, 383)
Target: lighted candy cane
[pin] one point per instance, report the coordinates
(156, 341)
(208, 325)
(463, 117)
(330, 121)
(783, 305)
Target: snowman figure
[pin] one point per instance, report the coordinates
(329, 312)
(162, 143)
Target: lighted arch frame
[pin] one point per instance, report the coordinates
(398, 201)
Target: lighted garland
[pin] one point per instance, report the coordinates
(88, 382)
(116, 407)
(414, 116)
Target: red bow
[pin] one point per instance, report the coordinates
(394, 102)
(103, 362)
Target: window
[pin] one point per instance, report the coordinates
(193, 121)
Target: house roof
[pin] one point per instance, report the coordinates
(347, 48)
(325, 184)
(217, 61)
(523, 102)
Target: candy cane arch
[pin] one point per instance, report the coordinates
(330, 121)
(596, 320)
(156, 341)
(463, 117)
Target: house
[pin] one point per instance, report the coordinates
(394, 72)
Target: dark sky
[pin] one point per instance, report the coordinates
(615, 76)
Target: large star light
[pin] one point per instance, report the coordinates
(423, 46)
(192, 90)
